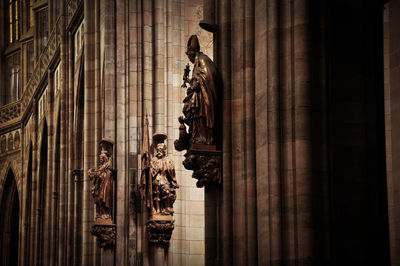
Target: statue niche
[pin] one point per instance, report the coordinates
(102, 192)
(200, 113)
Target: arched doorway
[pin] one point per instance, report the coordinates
(9, 222)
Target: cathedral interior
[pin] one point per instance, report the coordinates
(200, 132)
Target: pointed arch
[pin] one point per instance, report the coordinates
(9, 221)
(10, 165)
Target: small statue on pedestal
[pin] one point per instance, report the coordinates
(164, 182)
(200, 116)
(158, 188)
(102, 192)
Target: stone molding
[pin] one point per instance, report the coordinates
(10, 112)
(42, 65)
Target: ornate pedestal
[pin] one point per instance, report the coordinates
(159, 229)
(105, 234)
(205, 161)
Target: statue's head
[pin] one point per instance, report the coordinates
(161, 150)
(103, 156)
(106, 147)
(193, 47)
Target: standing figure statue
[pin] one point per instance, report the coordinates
(158, 188)
(202, 115)
(102, 182)
(164, 182)
(201, 95)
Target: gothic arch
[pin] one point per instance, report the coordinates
(9, 221)
(11, 165)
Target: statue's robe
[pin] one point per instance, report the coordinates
(106, 185)
(201, 101)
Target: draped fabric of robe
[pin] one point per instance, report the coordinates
(200, 102)
(206, 74)
(105, 186)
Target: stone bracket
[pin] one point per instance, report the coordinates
(105, 234)
(159, 231)
(205, 163)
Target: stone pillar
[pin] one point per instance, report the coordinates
(63, 113)
(280, 112)
(34, 205)
(159, 58)
(68, 214)
(94, 127)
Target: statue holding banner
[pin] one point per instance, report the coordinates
(158, 188)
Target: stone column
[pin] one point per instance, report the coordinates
(34, 206)
(159, 59)
(63, 113)
(69, 184)
(122, 197)
(93, 123)
(280, 112)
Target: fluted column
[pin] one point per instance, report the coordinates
(267, 86)
(93, 123)
(121, 133)
(63, 113)
(159, 64)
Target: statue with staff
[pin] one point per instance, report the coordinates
(158, 179)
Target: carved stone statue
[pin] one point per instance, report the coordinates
(162, 172)
(158, 188)
(102, 180)
(201, 95)
(102, 192)
(200, 113)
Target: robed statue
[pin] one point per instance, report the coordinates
(199, 108)
(202, 115)
(102, 191)
(102, 184)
